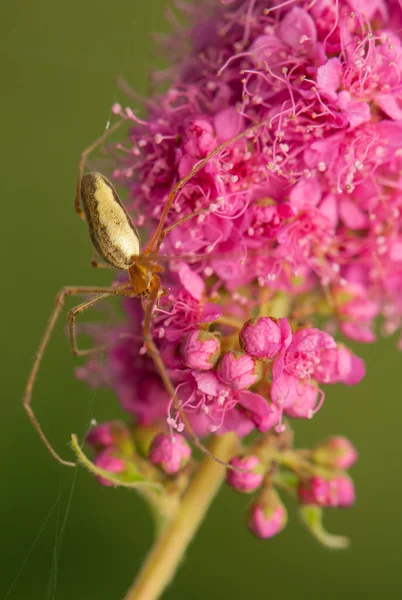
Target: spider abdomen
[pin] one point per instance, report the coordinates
(112, 232)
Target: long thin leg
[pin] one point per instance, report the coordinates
(179, 222)
(27, 397)
(81, 165)
(177, 187)
(72, 315)
(154, 353)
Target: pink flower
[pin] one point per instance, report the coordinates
(170, 453)
(238, 370)
(337, 491)
(298, 399)
(336, 452)
(264, 337)
(339, 365)
(303, 355)
(108, 462)
(200, 350)
(250, 478)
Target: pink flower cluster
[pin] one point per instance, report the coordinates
(311, 199)
(307, 207)
(266, 371)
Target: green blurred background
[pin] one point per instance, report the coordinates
(62, 535)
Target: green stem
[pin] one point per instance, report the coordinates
(168, 550)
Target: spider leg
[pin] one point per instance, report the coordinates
(179, 222)
(154, 353)
(154, 242)
(72, 315)
(81, 165)
(59, 302)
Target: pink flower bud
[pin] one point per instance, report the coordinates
(170, 452)
(106, 435)
(267, 516)
(245, 481)
(200, 350)
(336, 452)
(337, 491)
(238, 370)
(108, 462)
(265, 337)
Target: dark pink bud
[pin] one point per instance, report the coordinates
(250, 478)
(238, 370)
(170, 452)
(265, 337)
(336, 452)
(107, 435)
(108, 462)
(200, 350)
(267, 516)
(338, 491)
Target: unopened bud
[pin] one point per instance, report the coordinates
(336, 452)
(170, 452)
(238, 370)
(337, 491)
(267, 516)
(251, 476)
(265, 337)
(200, 350)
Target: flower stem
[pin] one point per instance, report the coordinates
(167, 552)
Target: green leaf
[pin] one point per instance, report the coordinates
(132, 480)
(312, 518)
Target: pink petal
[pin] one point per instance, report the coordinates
(389, 104)
(361, 332)
(329, 76)
(208, 383)
(357, 112)
(306, 192)
(311, 339)
(191, 281)
(298, 28)
(263, 415)
(228, 123)
(329, 208)
(210, 312)
(351, 214)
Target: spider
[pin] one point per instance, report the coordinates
(116, 240)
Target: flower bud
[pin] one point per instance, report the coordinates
(337, 491)
(267, 516)
(200, 350)
(107, 461)
(238, 370)
(108, 435)
(336, 452)
(250, 479)
(265, 337)
(170, 452)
